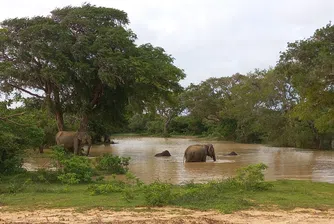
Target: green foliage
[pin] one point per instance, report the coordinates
(155, 126)
(114, 186)
(44, 176)
(187, 125)
(113, 164)
(137, 123)
(16, 187)
(252, 178)
(127, 187)
(70, 178)
(132, 180)
(18, 132)
(74, 169)
(128, 194)
(158, 193)
(86, 58)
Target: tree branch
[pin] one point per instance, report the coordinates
(13, 115)
(26, 91)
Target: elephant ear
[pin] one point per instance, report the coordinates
(80, 136)
(207, 148)
(210, 149)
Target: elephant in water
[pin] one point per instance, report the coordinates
(198, 153)
(74, 140)
(164, 153)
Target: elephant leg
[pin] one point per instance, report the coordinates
(88, 151)
(76, 146)
(41, 149)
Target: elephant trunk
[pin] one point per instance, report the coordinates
(214, 157)
(89, 146)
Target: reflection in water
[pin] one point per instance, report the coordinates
(284, 163)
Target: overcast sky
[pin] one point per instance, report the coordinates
(210, 38)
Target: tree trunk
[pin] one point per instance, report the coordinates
(84, 123)
(60, 120)
(168, 120)
(98, 91)
(58, 110)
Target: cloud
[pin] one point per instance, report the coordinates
(210, 38)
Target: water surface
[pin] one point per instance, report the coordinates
(284, 163)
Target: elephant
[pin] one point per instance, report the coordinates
(231, 154)
(164, 153)
(74, 140)
(198, 153)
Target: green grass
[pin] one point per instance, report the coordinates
(224, 196)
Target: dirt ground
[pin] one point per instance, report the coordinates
(165, 215)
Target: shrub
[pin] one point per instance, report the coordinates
(77, 168)
(44, 176)
(114, 186)
(15, 187)
(158, 193)
(252, 178)
(128, 194)
(113, 164)
(18, 132)
(132, 180)
(69, 178)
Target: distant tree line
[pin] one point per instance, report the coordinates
(291, 104)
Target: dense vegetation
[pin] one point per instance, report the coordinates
(42, 190)
(291, 104)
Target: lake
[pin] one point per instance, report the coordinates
(284, 163)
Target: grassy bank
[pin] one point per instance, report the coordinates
(80, 183)
(225, 196)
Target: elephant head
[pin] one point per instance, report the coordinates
(82, 138)
(210, 151)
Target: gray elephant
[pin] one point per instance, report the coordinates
(231, 154)
(164, 153)
(198, 153)
(74, 140)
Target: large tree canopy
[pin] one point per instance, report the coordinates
(84, 60)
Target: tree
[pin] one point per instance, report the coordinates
(18, 132)
(309, 63)
(85, 62)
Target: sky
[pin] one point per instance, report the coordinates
(211, 38)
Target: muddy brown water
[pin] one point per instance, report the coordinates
(284, 163)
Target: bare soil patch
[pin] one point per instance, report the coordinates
(165, 215)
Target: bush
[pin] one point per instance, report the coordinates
(16, 187)
(18, 132)
(158, 193)
(44, 176)
(128, 194)
(132, 180)
(155, 127)
(127, 188)
(113, 164)
(77, 168)
(69, 178)
(113, 186)
(252, 178)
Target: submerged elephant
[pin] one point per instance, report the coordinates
(198, 153)
(74, 140)
(164, 153)
(231, 154)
